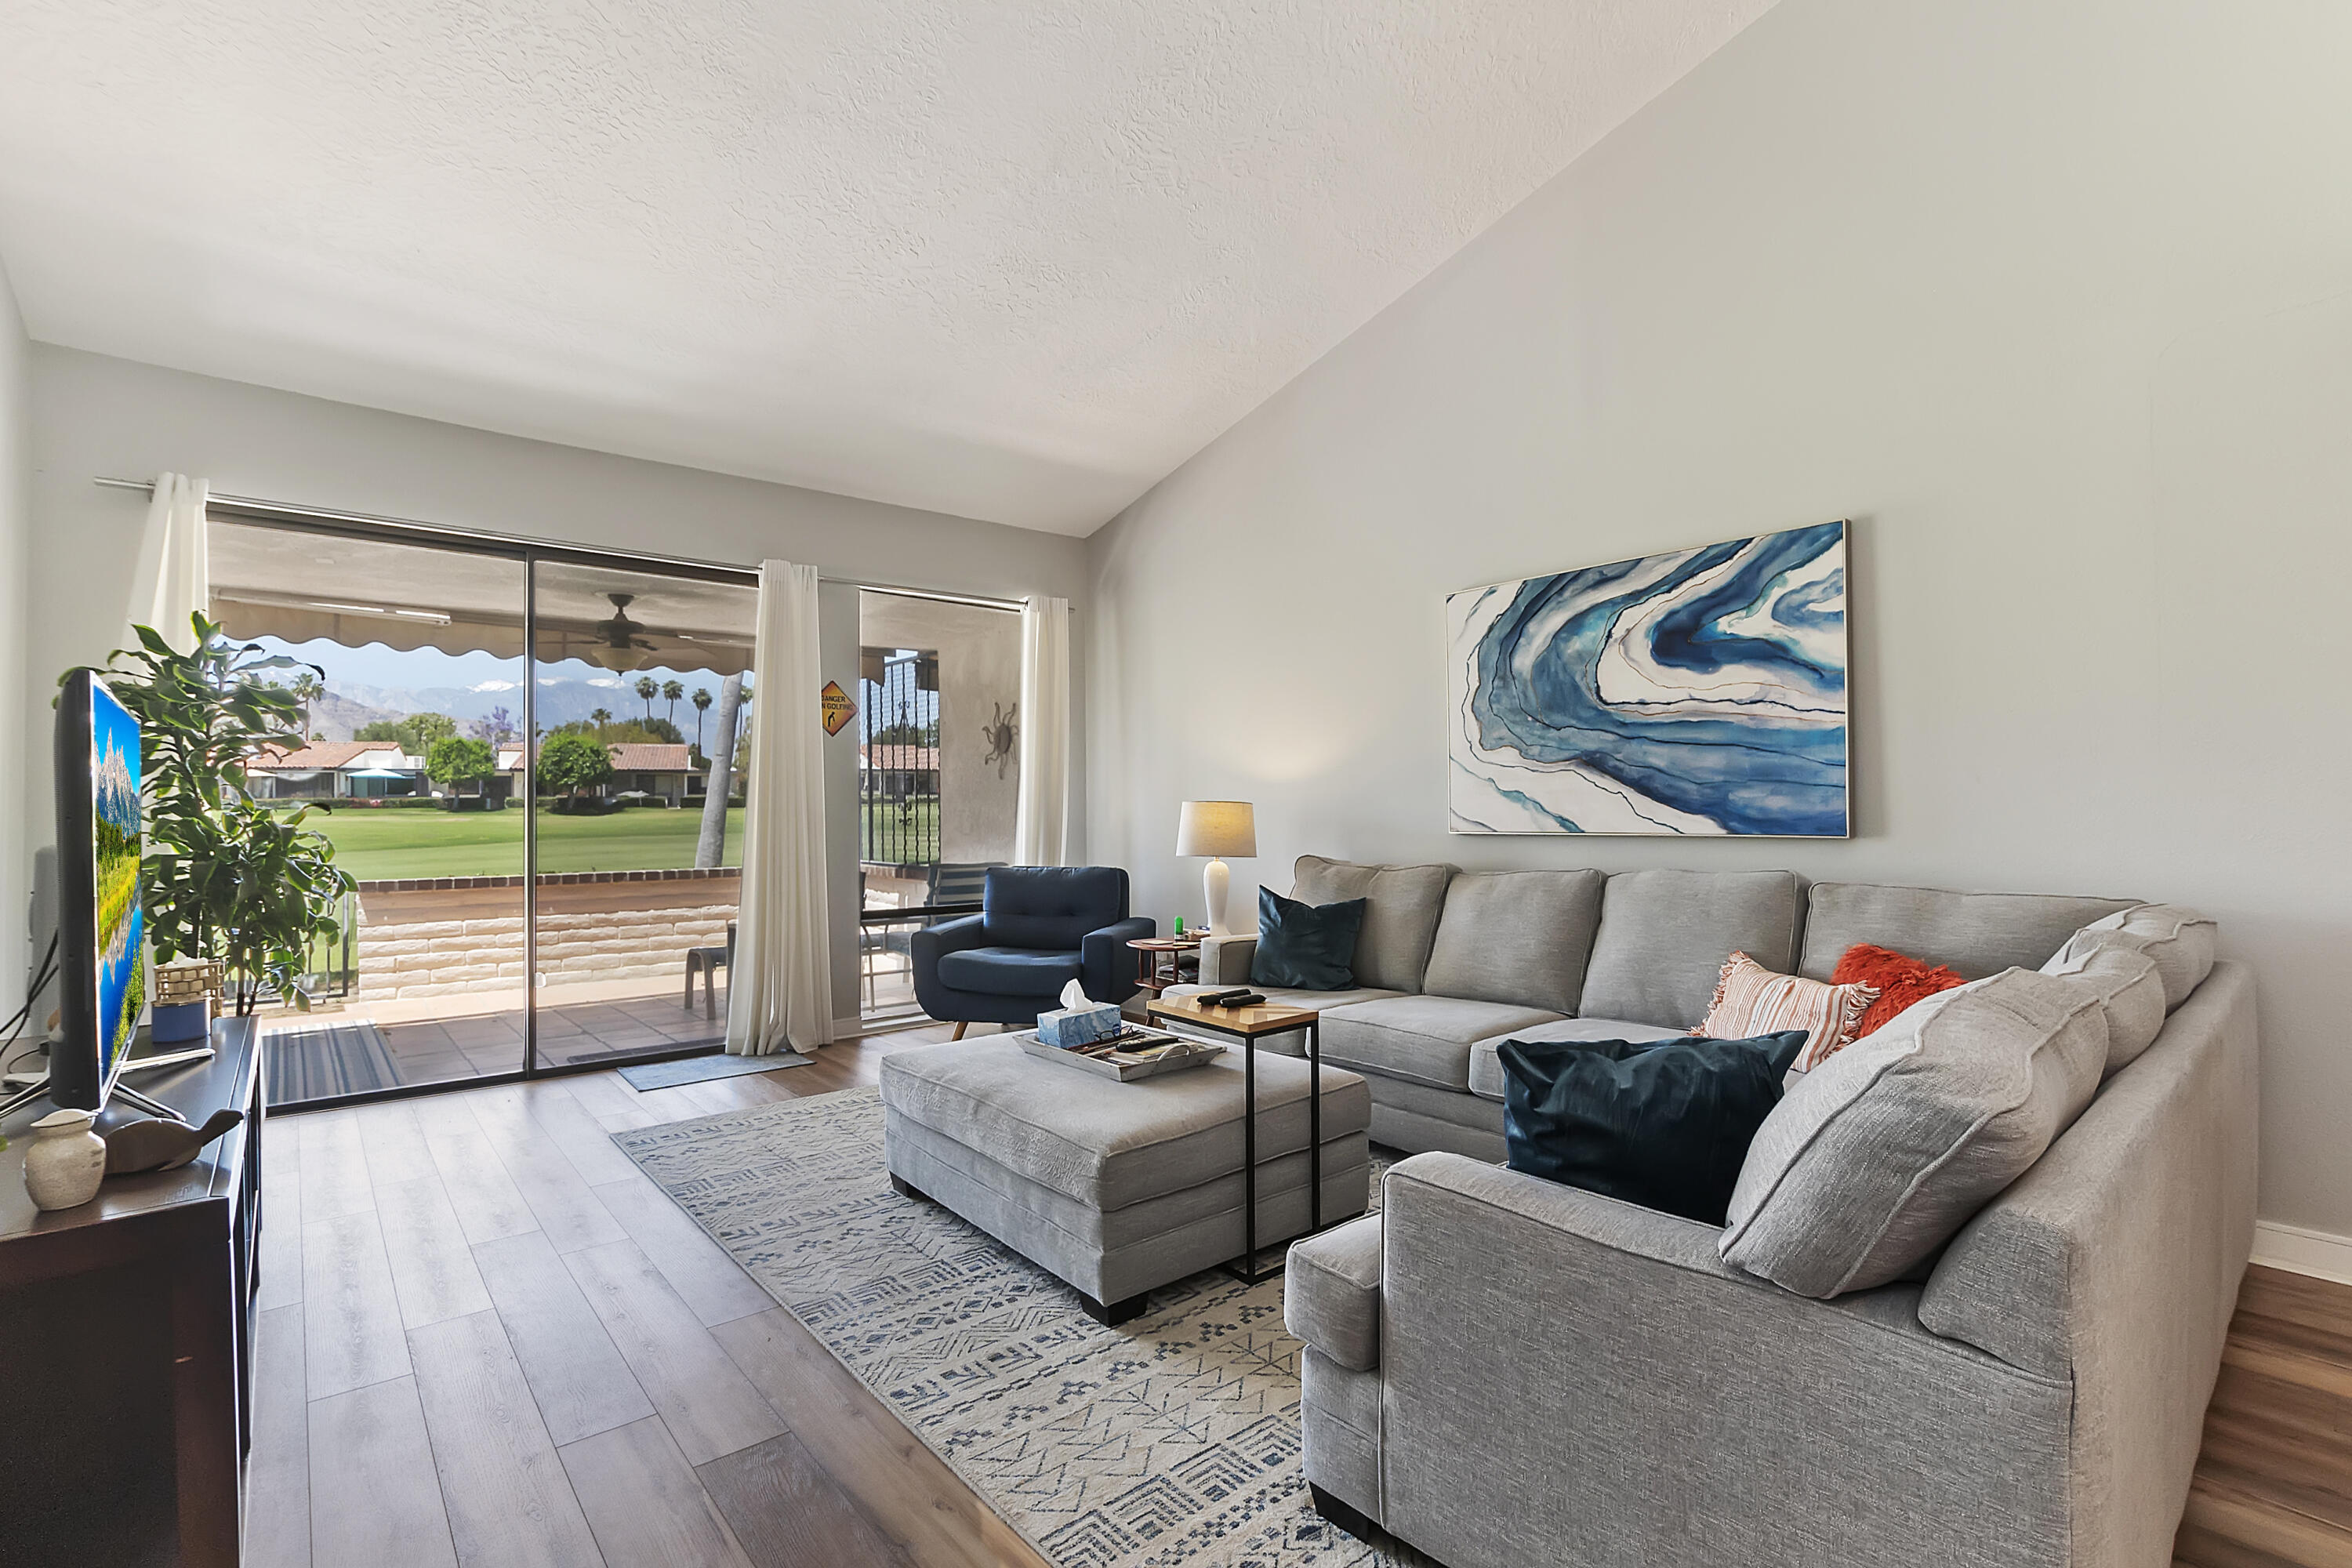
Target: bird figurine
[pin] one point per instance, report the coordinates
(161, 1142)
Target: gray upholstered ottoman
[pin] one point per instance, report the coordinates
(1116, 1187)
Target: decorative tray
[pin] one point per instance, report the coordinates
(1133, 1052)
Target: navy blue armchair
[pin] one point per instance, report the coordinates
(1039, 928)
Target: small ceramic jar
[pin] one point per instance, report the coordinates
(67, 1161)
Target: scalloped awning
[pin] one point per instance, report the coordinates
(271, 582)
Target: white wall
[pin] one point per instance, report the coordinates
(17, 836)
(2053, 297)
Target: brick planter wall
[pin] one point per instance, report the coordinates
(447, 936)
(443, 958)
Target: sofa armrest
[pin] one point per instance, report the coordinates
(1331, 1292)
(1225, 960)
(2115, 1262)
(2146, 1204)
(1107, 965)
(1590, 1217)
(1548, 1355)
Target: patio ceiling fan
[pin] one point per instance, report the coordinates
(618, 646)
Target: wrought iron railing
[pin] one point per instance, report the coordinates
(899, 779)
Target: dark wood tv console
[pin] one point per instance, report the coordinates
(126, 1340)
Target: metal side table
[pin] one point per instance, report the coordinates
(1249, 1025)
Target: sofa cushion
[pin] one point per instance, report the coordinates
(1331, 1292)
(1425, 1040)
(1009, 970)
(1664, 1123)
(1392, 950)
(1880, 1155)
(1310, 946)
(2181, 941)
(1975, 933)
(2127, 984)
(1050, 908)
(1664, 935)
(1487, 1073)
(1515, 936)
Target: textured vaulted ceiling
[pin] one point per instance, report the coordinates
(1014, 261)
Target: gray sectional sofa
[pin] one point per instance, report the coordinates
(1451, 964)
(1506, 1373)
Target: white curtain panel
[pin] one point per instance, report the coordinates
(780, 994)
(1041, 810)
(174, 579)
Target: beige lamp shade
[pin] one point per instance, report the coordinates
(1216, 827)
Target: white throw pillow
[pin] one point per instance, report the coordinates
(1879, 1156)
(1751, 1000)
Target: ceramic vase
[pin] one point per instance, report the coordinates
(67, 1161)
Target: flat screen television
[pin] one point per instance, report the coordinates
(101, 930)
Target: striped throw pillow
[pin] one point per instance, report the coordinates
(1751, 1000)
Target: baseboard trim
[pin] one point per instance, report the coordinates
(2301, 1251)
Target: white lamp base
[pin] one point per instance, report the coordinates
(1213, 879)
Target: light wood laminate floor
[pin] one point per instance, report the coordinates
(485, 1339)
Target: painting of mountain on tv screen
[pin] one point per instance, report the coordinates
(1698, 692)
(122, 925)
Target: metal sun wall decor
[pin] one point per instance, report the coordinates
(1699, 692)
(1003, 735)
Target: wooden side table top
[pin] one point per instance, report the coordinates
(1247, 1022)
(1165, 943)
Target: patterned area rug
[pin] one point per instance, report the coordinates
(1171, 1439)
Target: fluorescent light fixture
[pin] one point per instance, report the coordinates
(386, 611)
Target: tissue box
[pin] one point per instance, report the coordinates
(1068, 1026)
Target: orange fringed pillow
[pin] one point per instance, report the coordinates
(1899, 979)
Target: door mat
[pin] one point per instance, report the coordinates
(317, 1061)
(701, 1069)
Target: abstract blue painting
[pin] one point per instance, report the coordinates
(1702, 692)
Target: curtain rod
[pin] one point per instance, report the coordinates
(408, 530)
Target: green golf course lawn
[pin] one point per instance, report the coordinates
(378, 845)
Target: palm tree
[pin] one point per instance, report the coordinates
(671, 691)
(307, 689)
(701, 706)
(600, 718)
(647, 689)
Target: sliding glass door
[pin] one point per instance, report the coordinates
(640, 699)
(525, 757)
(938, 697)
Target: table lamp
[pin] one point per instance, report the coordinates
(1217, 829)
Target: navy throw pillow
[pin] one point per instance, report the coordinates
(1308, 947)
(1663, 1123)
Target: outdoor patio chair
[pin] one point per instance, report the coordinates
(707, 961)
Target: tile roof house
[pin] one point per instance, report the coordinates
(336, 770)
(658, 768)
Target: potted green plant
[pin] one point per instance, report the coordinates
(225, 878)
